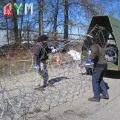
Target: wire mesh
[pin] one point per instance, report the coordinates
(19, 99)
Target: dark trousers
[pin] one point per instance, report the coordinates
(43, 71)
(98, 82)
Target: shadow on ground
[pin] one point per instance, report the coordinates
(109, 74)
(58, 79)
(113, 74)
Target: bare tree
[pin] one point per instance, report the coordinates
(66, 20)
(6, 17)
(15, 29)
(55, 20)
(112, 7)
(40, 17)
(58, 15)
(22, 17)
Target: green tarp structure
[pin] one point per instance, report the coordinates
(114, 26)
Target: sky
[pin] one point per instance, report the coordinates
(74, 30)
(60, 29)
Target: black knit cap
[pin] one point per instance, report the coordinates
(42, 38)
(97, 40)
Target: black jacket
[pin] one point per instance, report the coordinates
(41, 52)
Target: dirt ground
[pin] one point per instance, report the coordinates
(18, 97)
(67, 100)
(80, 108)
(18, 89)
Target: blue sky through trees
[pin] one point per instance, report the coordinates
(79, 16)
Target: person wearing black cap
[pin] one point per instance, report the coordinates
(41, 51)
(100, 67)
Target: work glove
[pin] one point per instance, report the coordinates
(53, 50)
(88, 62)
(89, 52)
(35, 65)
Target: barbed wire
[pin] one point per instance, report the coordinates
(19, 99)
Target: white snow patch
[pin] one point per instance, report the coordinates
(76, 55)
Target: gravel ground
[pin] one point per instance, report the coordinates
(20, 100)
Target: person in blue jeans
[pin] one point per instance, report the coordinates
(100, 67)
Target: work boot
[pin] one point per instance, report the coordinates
(50, 85)
(41, 88)
(37, 86)
(93, 99)
(104, 96)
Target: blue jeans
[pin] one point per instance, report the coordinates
(97, 82)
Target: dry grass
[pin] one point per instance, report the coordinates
(64, 57)
(15, 60)
(19, 59)
(76, 48)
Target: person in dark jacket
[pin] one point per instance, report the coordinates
(41, 52)
(100, 67)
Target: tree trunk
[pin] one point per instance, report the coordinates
(66, 20)
(55, 21)
(40, 17)
(22, 21)
(7, 30)
(112, 8)
(15, 29)
(28, 32)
